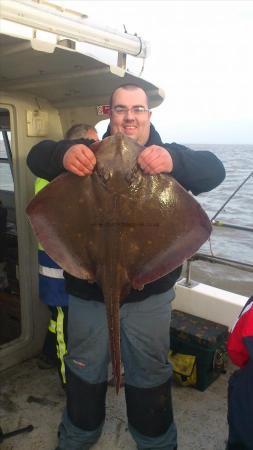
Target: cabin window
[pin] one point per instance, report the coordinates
(10, 317)
(101, 127)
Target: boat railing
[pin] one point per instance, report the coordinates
(219, 223)
(211, 258)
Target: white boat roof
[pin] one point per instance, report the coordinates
(60, 73)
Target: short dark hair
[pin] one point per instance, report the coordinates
(128, 87)
(78, 131)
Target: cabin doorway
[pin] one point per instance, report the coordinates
(10, 305)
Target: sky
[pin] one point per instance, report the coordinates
(201, 56)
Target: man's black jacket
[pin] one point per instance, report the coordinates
(196, 171)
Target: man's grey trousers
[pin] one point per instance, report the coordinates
(145, 342)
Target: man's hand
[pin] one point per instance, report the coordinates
(155, 159)
(79, 159)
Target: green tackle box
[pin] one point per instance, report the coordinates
(206, 340)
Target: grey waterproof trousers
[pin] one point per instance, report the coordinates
(145, 341)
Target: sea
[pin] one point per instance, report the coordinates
(224, 242)
(238, 162)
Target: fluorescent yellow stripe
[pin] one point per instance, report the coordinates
(61, 346)
(52, 326)
(39, 184)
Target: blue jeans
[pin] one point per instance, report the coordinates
(145, 342)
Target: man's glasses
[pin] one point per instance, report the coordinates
(136, 110)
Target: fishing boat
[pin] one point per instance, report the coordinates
(47, 85)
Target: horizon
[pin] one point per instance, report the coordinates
(188, 143)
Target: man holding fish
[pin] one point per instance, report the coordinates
(144, 313)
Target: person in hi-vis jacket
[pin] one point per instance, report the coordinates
(52, 284)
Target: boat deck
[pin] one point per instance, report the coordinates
(30, 395)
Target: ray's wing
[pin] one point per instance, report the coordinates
(62, 217)
(162, 225)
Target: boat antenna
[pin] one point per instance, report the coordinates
(231, 196)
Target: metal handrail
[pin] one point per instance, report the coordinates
(72, 25)
(214, 259)
(199, 256)
(224, 261)
(219, 223)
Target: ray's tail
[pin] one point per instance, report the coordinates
(113, 317)
(115, 285)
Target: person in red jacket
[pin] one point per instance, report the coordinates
(240, 390)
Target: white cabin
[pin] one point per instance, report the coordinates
(46, 86)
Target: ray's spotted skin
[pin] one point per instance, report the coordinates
(119, 227)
